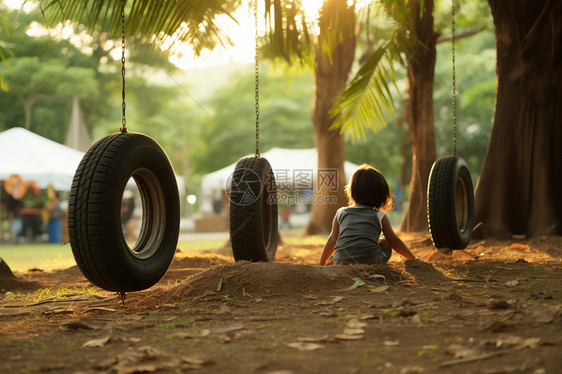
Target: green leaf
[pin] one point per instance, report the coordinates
(358, 283)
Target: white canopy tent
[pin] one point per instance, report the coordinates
(293, 167)
(38, 159)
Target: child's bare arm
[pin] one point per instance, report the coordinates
(395, 242)
(330, 243)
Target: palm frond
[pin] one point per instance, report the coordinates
(368, 100)
(288, 35)
(192, 21)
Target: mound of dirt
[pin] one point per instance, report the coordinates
(280, 279)
(199, 260)
(425, 273)
(10, 282)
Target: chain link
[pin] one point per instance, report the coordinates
(454, 77)
(123, 128)
(257, 80)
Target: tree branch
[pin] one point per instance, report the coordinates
(465, 34)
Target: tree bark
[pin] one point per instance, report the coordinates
(421, 70)
(520, 185)
(331, 73)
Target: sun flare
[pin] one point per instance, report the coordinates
(242, 35)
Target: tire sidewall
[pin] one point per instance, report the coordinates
(462, 173)
(145, 153)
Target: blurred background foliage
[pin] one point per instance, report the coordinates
(204, 118)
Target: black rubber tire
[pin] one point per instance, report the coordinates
(253, 210)
(450, 203)
(94, 213)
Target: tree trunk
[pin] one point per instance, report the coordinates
(27, 110)
(421, 66)
(520, 185)
(331, 73)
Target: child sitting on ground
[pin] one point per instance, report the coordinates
(356, 228)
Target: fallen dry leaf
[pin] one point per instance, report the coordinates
(314, 339)
(378, 276)
(353, 331)
(134, 340)
(508, 340)
(461, 351)
(149, 359)
(336, 299)
(369, 316)
(96, 343)
(349, 337)
(205, 332)
(519, 246)
(100, 309)
(391, 343)
(530, 343)
(512, 283)
(354, 323)
(304, 346)
(378, 289)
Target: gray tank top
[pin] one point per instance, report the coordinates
(360, 229)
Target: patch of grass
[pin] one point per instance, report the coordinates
(43, 294)
(427, 350)
(368, 361)
(424, 317)
(530, 286)
(391, 312)
(22, 257)
(176, 337)
(45, 256)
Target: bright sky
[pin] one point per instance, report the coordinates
(241, 34)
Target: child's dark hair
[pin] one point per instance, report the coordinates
(369, 187)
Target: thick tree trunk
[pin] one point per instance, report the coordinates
(520, 185)
(330, 79)
(421, 66)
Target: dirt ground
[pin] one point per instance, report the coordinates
(495, 307)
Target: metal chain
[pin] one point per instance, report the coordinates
(123, 105)
(454, 78)
(257, 80)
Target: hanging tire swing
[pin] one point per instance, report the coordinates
(450, 193)
(450, 203)
(253, 210)
(94, 211)
(253, 196)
